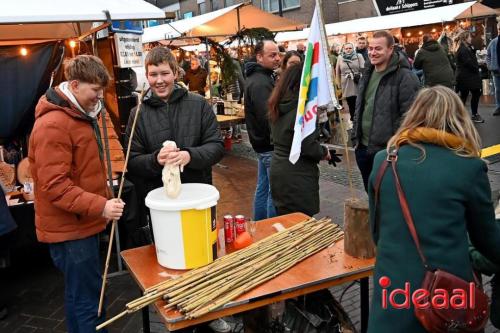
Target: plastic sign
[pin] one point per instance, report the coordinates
(387, 7)
(129, 51)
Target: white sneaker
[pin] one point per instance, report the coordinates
(220, 326)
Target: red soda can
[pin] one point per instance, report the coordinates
(239, 222)
(228, 228)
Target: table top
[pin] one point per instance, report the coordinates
(325, 269)
(230, 119)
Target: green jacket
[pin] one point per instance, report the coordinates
(432, 58)
(294, 187)
(450, 198)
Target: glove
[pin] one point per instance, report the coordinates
(334, 157)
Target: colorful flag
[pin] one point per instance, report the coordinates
(314, 88)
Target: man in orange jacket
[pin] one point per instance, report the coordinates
(71, 195)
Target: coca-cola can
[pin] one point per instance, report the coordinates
(239, 222)
(228, 228)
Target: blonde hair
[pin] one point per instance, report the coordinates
(440, 108)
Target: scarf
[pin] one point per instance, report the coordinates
(90, 116)
(434, 136)
(348, 57)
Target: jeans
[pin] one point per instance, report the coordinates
(364, 159)
(263, 206)
(79, 261)
(496, 81)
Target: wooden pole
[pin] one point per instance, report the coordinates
(122, 181)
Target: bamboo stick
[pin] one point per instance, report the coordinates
(202, 290)
(113, 225)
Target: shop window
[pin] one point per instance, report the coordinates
(202, 8)
(215, 4)
(228, 3)
(273, 6)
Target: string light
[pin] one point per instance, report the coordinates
(420, 33)
(72, 44)
(23, 51)
(408, 34)
(434, 30)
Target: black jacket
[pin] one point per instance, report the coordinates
(393, 98)
(467, 74)
(186, 119)
(294, 187)
(432, 58)
(258, 87)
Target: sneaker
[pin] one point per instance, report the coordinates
(495, 301)
(220, 326)
(477, 118)
(497, 112)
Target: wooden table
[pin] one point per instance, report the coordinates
(326, 269)
(225, 120)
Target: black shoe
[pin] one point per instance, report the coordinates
(3, 312)
(477, 118)
(495, 301)
(497, 112)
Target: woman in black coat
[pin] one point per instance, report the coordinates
(294, 187)
(467, 75)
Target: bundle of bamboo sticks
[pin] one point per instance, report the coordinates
(202, 290)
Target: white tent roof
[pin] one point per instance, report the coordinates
(58, 19)
(402, 20)
(222, 22)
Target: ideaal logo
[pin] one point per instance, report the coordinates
(423, 299)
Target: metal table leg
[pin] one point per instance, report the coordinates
(145, 319)
(365, 303)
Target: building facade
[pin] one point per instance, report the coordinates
(298, 10)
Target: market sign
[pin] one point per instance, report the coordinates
(128, 50)
(388, 7)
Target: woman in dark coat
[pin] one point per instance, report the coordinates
(467, 74)
(294, 187)
(449, 197)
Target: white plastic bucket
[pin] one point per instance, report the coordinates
(185, 228)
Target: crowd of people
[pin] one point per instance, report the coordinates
(422, 122)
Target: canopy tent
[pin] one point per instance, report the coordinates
(61, 19)
(410, 19)
(220, 23)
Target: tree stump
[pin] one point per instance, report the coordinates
(358, 241)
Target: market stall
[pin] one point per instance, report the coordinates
(347, 31)
(35, 38)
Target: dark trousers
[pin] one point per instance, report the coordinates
(80, 263)
(364, 159)
(474, 100)
(351, 102)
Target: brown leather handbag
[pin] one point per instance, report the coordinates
(472, 316)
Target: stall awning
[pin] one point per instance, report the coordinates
(223, 22)
(60, 19)
(402, 20)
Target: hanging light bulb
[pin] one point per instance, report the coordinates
(408, 34)
(23, 51)
(72, 44)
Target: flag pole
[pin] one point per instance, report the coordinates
(336, 103)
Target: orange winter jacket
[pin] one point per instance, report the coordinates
(69, 176)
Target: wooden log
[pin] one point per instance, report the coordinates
(358, 241)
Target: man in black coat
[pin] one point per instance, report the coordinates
(386, 92)
(258, 87)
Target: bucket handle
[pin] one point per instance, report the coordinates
(206, 205)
